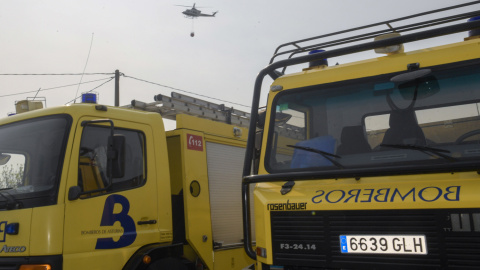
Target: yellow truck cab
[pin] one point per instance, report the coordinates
(372, 164)
(89, 186)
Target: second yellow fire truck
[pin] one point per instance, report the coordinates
(372, 164)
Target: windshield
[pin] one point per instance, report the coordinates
(31, 158)
(428, 117)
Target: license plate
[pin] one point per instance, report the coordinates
(384, 244)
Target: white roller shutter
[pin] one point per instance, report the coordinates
(225, 166)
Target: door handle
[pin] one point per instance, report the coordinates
(145, 222)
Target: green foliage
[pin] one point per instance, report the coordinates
(11, 176)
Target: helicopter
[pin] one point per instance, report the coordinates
(195, 13)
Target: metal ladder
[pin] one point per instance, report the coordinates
(169, 107)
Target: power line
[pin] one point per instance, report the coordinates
(81, 74)
(53, 88)
(53, 74)
(91, 90)
(185, 91)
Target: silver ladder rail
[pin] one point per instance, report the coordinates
(169, 107)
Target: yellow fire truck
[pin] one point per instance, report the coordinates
(371, 164)
(88, 186)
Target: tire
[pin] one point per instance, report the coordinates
(167, 264)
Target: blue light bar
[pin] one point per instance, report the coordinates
(89, 98)
(321, 62)
(474, 32)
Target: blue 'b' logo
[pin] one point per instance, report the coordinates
(126, 221)
(3, 228)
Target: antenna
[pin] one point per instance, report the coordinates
(85, 67)
(37, 93)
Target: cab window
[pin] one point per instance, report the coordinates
(426, 117)
(92, 165)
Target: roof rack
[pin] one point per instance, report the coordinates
(169, 107)
(300, 46)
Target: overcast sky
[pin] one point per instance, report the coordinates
(150, 40)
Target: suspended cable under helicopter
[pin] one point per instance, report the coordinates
(192, 33)
(193, 13)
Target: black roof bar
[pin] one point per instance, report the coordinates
(299, 48)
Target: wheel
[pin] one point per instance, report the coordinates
(167, 264)
(467, 135)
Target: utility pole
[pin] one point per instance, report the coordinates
(117, 88)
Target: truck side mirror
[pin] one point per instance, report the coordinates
(261, 119)
(116, 156)
(74, 193)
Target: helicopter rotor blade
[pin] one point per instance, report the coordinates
(191, 6)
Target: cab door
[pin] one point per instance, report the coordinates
(110, 219)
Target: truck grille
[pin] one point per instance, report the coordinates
(310, 239)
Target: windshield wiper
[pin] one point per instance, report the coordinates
(425, 149)
(322, 153)
(11, 203)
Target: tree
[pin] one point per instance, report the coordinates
(11, 176)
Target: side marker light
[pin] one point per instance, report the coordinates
(35, 267)
(262, 252)
(147, 259)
